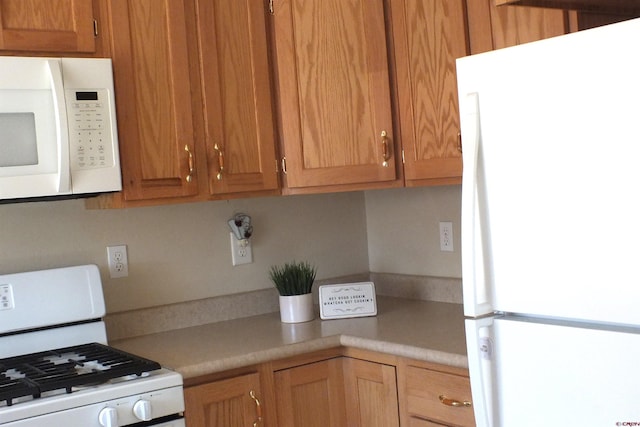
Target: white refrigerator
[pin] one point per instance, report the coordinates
(551, 230)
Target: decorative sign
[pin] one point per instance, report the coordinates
(347, 300)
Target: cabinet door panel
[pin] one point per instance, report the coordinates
(334, 91)
(495, 27)
(371, 394)
(235, 71)
(47, 25)
(225, 403)
(153, 98)
(311, 395)
(429, 35)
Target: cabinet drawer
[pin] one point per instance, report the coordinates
(418, 422)
(423, 390)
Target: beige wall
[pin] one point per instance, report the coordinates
(181, 252)
(404, 233)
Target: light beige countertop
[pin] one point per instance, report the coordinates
(423, 330)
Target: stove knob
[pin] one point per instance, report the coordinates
(142, 410)
(108, 417)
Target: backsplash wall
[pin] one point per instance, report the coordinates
(403, 231)
(181, 253)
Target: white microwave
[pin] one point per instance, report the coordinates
(58, 134)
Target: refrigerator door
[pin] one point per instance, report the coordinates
(551, 151)
(552, 374)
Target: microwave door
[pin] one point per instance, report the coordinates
(34, 156)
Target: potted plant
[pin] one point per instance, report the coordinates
(294, 282)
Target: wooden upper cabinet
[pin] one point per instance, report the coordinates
(628, 7)
(232, 402)
(495, 27)
(153, 96)
(47, 25)
(333, 82)
(238, 114)
(428, 37)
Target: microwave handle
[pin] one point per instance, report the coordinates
(62, 131)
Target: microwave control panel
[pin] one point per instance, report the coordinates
(90, 129)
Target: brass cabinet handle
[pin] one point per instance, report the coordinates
(189, 177)
(220, 161)
(258, 420)
(453, 402)
(459, 147)
(386, 152)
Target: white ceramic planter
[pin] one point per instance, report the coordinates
(296, 308)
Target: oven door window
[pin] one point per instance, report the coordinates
(28, 133)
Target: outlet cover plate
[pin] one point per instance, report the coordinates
(240, 251)
(118, 261)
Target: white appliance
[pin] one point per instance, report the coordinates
(551, 229)
(55, 366)
(58, 134)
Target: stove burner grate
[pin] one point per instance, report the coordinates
(65, 368)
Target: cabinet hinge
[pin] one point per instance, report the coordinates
(402, 152)
(270, 6)
(95, 28)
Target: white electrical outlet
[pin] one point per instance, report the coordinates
(118, 262)
(446, 237)
(240, 251)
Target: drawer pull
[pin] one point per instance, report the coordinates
(453, 402)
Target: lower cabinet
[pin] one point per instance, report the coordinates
(311, 395)
(225, 403)
(434, 395)
(333, 389)
(371, 394)
(337, 392)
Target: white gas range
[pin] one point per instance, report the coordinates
(56, 368)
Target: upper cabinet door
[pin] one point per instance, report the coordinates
(153, 87)
(47, 25)
(495, 27)
(333, 81)
(428, 37)
(238, 113)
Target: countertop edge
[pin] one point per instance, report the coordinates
(262, 356)
(325, 343)
(424, 331)
(407, 351)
